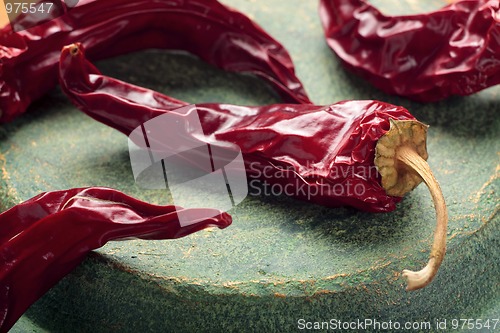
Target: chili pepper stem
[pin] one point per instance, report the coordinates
(400, 156)
(416, 280)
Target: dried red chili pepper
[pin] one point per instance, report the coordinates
(217, 34)
(44, 238)
(317, 148)
(428, 57)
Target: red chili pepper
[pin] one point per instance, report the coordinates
(44, 238)
(217, 34)
(428, 57)
(318, 152)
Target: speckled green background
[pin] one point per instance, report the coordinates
(282, 259)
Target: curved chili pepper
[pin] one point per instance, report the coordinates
(318, 151)
(217, 34)
(428, 57)
(46, 237)
(262, 132)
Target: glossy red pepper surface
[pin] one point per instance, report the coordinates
(428, 57)
(217, 34)
(44, 238)
(324, 153)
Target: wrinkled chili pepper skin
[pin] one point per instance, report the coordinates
(217, 34)
(427, 58)
(44, 238)
(324, 154)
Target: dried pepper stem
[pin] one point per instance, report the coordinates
(420, 279)
(401, 158)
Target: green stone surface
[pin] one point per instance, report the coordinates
(282, 259)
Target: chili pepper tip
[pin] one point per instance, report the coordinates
(74, 49)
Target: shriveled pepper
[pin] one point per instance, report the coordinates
(214, 32)
(426, 57)
(318, 151)
(44, 238)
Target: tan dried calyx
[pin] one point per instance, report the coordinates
(400, 156)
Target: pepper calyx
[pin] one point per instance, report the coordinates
(397, 179)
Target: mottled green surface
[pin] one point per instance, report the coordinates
(282, 259)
